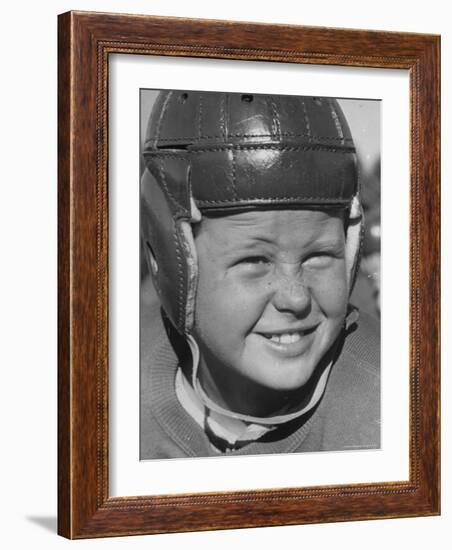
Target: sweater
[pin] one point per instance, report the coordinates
(346, 418)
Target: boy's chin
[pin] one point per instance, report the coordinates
(284, 376)
(283, 370)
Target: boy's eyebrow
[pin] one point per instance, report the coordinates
(249, 241)
(330, 243)
(260, 239)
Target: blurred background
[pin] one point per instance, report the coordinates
(364, 120)
(363, 116)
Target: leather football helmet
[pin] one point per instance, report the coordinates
(219, 153)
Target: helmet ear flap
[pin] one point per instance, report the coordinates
(164, 248)
(170, 249)
(191, 258)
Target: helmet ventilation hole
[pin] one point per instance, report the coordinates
(183, 97)
(247, 98)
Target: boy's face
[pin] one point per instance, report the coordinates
(272, 294)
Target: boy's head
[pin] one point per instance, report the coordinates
(253, 227)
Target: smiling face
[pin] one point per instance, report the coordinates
(271, 300)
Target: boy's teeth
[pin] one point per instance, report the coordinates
(288, 338)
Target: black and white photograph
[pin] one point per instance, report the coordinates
(260, 274)
(224, 235)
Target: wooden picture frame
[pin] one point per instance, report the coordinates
(85, 42)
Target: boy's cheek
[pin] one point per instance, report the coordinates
(230, 305)
(332, 296)
(330, 291)
(237, 304)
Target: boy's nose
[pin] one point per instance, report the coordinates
(291, 295)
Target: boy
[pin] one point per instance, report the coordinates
(252, 228)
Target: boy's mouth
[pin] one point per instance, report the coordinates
(288, 343)
(288, 336)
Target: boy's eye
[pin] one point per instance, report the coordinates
(253, 263)
(254, 260)
(320, 259)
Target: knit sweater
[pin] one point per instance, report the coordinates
(346, 418)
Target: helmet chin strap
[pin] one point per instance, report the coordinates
(353, 242)
(271, 421)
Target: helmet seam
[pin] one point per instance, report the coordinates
(276, 126)
(308, 125)
(251, 147)
(285, 134)
(233, 173)
(222, 118)
(337, 122)
(200, 117)
(170, 195)
(263, 200)
(162, 116)
(181, 280)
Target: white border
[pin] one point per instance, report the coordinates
(129, 476)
